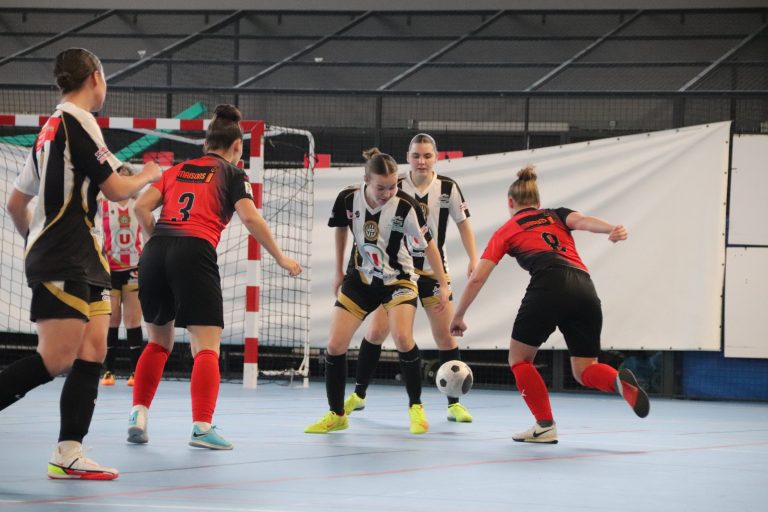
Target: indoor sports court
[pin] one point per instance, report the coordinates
(644, 123)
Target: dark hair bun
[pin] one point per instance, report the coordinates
(527, 173)
(228, 112)
(64, 80)
(370, 153)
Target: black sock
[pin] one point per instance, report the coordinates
(410, 366)
(135, 344)
(335, 381)
(78, 399)
(20, 377)
(367, 360)
(450, 355)
(109, 361)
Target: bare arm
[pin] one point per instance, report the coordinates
(341, 248)
(468, 240)
(474, 285)
(143, 208)
(17, 207)
(259, 229)
(581, 222)
(117, 188)
(436, 263)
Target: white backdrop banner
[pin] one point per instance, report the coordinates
(660, 289)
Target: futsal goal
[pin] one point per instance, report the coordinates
(266, 312)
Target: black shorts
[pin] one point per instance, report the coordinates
(179, 280)
(68, 299)
(361, 299)
(562, 297)
(429, 291)
(124, 281)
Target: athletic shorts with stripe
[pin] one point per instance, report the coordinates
(361, 299)
(562, 297)
(124, 281)
(429, 291)
(179, 280)
(68, 299)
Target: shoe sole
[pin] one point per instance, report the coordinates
(137, 436)
(537, 441)
(56, 472)
(642, 405)
(203, 444)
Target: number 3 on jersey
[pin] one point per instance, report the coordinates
(187, 200)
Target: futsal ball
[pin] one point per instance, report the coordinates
(454, 378)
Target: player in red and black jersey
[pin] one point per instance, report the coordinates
(179, 283)
(560, 294)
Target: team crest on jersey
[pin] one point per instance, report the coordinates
(424, 209)
(103, 154)
(124, 219)
(371, 230)
(397, 223)
(445, 200)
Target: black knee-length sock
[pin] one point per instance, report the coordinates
(335, 381)
(20, 377)
(135, 345)
(410, 366)
(367, 360)
(78, 399)
(109, 361)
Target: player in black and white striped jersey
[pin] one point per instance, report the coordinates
(440, 199)
(381, 273)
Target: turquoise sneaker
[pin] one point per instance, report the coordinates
(137, 425)
(210, 439)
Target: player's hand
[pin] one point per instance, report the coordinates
(471, 267)
(152, 171)
(617, 234)
(458, 326)
(291, 265)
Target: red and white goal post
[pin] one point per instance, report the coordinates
(263, 307)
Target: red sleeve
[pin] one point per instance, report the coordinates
(497, 246)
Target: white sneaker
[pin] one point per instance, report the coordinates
(73, 464)
(137, 425)
(538, 434)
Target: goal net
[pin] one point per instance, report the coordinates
(266, 312)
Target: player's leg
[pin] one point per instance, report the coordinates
(132, 321)
(581, 329)
(78, 398)
(158, 305)
(368, 358)
(149, 372)
(204, 386)
(534, 391)
(448, 350)
(401, 326)
(345, 320)
(61, 313)
(115, 297)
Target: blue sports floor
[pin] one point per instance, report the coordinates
(686, 456)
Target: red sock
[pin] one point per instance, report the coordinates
(205, 385)
(533, 390)
(600, 376)
(149, 371)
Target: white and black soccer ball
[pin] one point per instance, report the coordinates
(454, 378)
